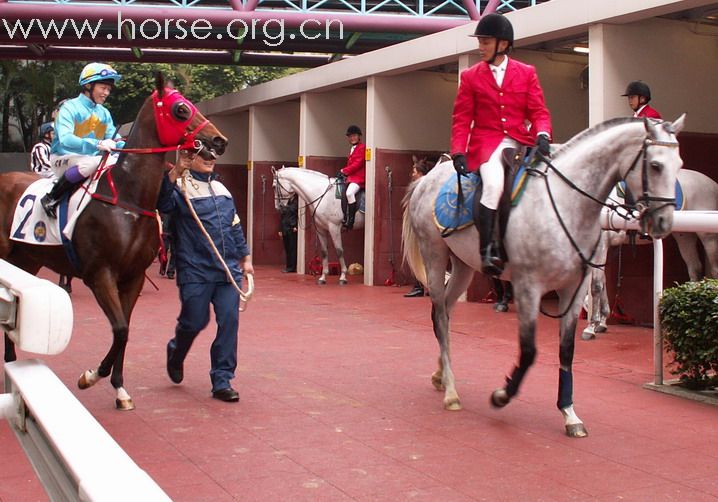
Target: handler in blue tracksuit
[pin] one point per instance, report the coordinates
(200, 276)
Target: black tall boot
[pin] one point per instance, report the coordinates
(351, 212)
(51, 200)
(491, 263)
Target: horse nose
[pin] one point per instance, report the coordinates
(219, 144)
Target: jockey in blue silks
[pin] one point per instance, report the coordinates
(84, 129)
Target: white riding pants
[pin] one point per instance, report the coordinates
(492, 175)
(352, 190)
(86, 164)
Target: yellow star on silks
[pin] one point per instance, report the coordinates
(89, 126)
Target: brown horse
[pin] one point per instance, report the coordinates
(116, 238)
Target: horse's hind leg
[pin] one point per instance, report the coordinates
(710, 246)
(688, 247)
(10, 354)
(335, 231)
(527, 300)
(443, 299)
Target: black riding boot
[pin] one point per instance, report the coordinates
(351, 212)
(51, 200)
(491, 263)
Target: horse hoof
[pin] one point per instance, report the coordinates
(499, 398)
(437, 383)
(576, 431)
(501, 307)
(343, 282)
(124, 404)
(83, 383)
(588, 334)
(600, 328)
(321, 282)
(452, 404)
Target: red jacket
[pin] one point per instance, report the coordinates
(496, 111)
(649, 112)
(355, 170)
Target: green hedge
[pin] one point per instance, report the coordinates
(689, 320)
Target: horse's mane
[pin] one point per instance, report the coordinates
(593, 131)
(308, 171)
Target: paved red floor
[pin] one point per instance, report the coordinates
(337, 405)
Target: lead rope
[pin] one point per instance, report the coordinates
(243, 297)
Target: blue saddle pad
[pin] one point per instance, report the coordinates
(447, 214)
(680, 199)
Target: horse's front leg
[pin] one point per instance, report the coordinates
(322, 236)
(597, 306)
(336, 233)
(10, 354)
(574, 425)
(527, 300)
(107, 296)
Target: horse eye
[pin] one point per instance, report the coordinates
(181, 112)
(657, 166)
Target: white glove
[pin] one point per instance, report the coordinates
(106, 145)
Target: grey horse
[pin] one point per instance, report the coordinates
(550, 241)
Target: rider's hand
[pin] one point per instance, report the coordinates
(460, 163)
(543, 145)
(106, 145)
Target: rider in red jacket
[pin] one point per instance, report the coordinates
(639, 94)
(355, 171)
(503, 99)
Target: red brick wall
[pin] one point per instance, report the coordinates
(268, 248)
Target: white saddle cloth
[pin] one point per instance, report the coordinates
(33, 226)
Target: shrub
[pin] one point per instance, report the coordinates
(689, 320)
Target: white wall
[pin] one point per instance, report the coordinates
(327, 116)
(560, 79)
(236, 128)
(412, 111)
(679, 65)
(274, 132)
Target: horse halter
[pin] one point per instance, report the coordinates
(280, 190)
(171, 130)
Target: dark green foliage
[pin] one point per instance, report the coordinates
(689, 320)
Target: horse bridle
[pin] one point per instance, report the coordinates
(645, 198)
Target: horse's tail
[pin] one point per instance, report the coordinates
(410, 241)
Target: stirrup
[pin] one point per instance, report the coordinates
(491, 263)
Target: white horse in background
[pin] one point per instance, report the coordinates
(317, 191)
(700, 193)
(550, 241)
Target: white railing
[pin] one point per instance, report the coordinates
(73, 456)
(683, 221)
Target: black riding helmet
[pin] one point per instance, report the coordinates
(638, 88)
(352, 129)
(498, 27)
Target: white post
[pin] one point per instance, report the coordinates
(657, 291)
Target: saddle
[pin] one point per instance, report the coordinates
(340, 192)
(512, 160)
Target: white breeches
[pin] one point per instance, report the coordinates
(86, 164)
(352, 190)
(492, 175)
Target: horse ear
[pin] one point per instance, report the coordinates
(159, 83)
(414, 159)
(650, 127)
(274, 171)
(677, 125)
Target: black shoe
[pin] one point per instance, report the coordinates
(414, 293)
(175, 374)
(171, 274)
(49, 205)
(228, 395)
(289, 270)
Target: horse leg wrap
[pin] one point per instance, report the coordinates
(528, 354)
(565, 389)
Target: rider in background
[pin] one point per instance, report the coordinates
(355, 171)
(40, 154)
(83, 131)
(639, 94)
(500, 96)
